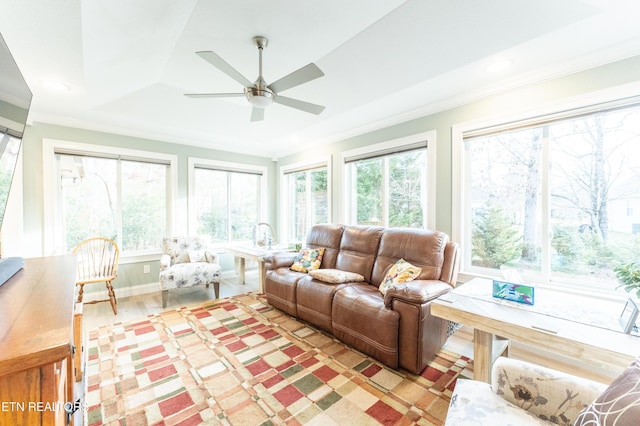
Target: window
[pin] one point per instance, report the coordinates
(305, 200)
(124, 196)
(9, 150)
(387, 184)
(225, 199)
(554, 198)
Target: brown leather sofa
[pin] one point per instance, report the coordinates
(397, 328)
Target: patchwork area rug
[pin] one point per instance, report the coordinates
(238, 361)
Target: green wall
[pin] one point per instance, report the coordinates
(623, 77)
(13, 113)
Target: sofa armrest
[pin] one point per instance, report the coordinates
(451, 263)
(417, 291)
(165, 261)
(280, 259)
(548, 394)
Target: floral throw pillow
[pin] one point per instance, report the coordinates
(307, 259)
(401, 272)
(619, 404)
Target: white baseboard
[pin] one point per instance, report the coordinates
(136, 290)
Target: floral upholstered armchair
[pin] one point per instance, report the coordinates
(521, 394)
(187, 262)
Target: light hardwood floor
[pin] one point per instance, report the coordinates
(134, 307)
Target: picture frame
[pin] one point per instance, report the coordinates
(629, 316)
(514, 292)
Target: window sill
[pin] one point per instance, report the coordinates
(140, 257)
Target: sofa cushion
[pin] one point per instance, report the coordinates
(178, 247)
(189, 274)
(307, 259)
(280, 289)
(401, 272)
(328, 236)
(420, 247)
(335, 276)
(314, 301)
(619, 404)
(358, 249)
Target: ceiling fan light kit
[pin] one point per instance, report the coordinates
(260, 94)
(258, 97)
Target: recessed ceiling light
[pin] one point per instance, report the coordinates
(55, 85)
(499, 65)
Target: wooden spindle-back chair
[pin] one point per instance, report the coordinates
(97, 262)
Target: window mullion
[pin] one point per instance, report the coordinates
(424, 188)
(386, 179)
(308, 200)
(467, 212)
(60, 231)
(260, 199)
(229, 226)
(289, 204)
(119, 203)
(545, 255)
(352, 205)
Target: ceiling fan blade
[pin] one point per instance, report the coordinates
(223, 66)
(297, 104)
(214, 95)
(296, 78)
(257, 114)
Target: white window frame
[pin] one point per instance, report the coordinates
(589, 102)
(429, 202)
(194, 162)
(52, 234)
(285, 207)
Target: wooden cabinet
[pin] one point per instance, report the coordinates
(78, 357)
(37, 343)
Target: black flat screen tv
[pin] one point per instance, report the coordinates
(15, 100)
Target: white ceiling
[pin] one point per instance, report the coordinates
(129, 63)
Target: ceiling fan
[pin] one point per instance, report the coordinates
(260, 94)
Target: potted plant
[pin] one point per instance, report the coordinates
(629, 276)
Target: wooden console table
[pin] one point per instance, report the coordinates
(598, 346)
(36, 342)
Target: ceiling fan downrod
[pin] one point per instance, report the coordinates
(260, 95)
